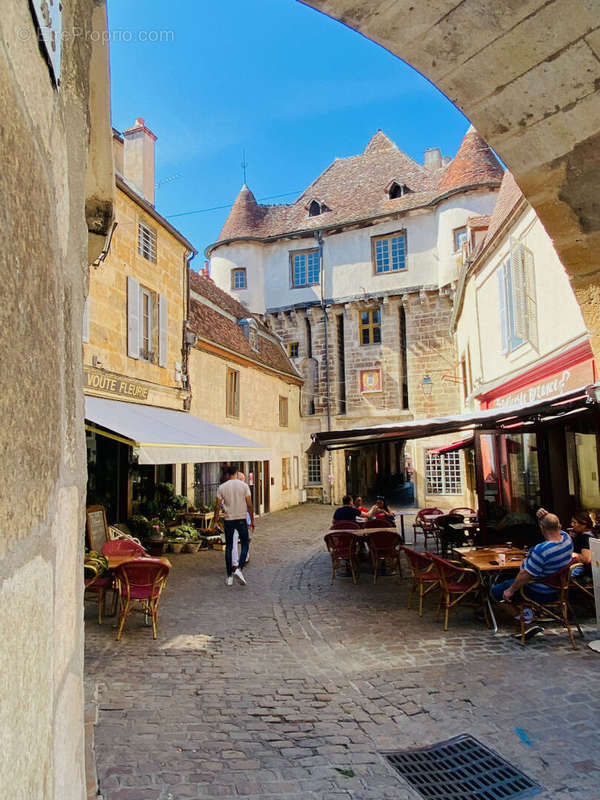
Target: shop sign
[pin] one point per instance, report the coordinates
(123, 387)
(550, 386)
(370, 380)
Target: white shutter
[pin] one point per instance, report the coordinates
(133, 317)
(517, 268)
(501, 273)
(163, 331)
(529, 273)
(86, 320)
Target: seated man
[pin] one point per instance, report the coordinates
(347, 512)
(544, 559)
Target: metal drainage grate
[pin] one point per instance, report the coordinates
(462, 769)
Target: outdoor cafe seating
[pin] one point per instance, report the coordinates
(424, 524)
(384, 545)
(140, 580)
(343, 547)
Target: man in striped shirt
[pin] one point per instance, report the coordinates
(546, 558)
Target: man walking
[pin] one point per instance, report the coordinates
(235, 498)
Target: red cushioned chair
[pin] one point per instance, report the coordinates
(458, 584)
(426, 527)
(380, 523)
(345, 525)
(558, 608)
(123, 547)
(343, 546)
(96, 585)
(423, 574)
(142, 581)
(384, 544)
(464, 512)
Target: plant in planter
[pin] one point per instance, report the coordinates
(192, 542)
(150, 532)
(179, 537)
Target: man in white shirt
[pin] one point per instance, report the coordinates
(235, 552)
(234, 497)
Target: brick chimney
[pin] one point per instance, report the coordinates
(138, 161)
(433, 158)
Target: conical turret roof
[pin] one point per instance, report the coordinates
(244, 216)
(474, 163)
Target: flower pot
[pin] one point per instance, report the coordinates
(192, 547)
(155, 547)
(176, 547)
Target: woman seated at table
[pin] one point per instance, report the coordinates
(380, 510)
(358, 504)
(582, 530)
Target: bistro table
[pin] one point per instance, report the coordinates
(485, 561)
(116, 561)
(403, 514)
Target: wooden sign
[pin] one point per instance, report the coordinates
(112, 384)
(97, 532)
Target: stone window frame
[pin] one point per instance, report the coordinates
(456, 232)
(283, 411)
(314, 471)
(232, 392)
(147, 241)
(286, 474)
(399, 234)
(304, 252)
(293, 349)
(371, 326)
(235, 273)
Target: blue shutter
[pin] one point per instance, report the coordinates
(502, 307)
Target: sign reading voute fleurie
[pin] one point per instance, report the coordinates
(112, 384)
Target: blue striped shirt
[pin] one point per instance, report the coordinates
(547, 558)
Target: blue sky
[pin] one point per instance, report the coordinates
(292, 87)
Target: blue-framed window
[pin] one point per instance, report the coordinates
(238, 278)
(305, 267)
(389, 252)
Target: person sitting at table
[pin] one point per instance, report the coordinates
(358, 504)
(543, 559)
(582, 531)
(380, 510)
(347, 512)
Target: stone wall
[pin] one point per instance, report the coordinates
(48, 205)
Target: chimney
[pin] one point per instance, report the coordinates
(138, 161)
(433, 158)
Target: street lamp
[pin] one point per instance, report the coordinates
(427, 384)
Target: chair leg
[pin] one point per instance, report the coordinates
(447, 604)
(420, 598)
(123, 616)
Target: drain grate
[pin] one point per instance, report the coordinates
(462, 769)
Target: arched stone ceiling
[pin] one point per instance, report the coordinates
(527, 75)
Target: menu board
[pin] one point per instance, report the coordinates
(96, 527)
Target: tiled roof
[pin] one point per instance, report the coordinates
(508, 197)
(474, 163)
(355, 189)
(208, 323)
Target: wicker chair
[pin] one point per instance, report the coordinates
(96, 584)
(123, 547)
(343, 546)
(384, 544)
(557, 607)
(458, 584)
(423, 575)
(142, 581)
(426, 527)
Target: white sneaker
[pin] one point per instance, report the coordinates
(240, 576)
(229, 580)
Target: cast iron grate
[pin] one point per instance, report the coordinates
(462, 769)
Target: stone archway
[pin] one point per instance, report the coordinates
(527, 74)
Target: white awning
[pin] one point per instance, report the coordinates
(163, 436)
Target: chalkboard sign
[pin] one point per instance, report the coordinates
(96, 527)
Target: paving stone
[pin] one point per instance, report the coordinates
(274, 689)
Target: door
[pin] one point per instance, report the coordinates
(267, 486)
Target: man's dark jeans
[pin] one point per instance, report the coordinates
(239, 525)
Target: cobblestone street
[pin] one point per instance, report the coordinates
(292, 688)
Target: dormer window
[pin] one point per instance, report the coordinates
(396, 189)
(250, 329)
(314, 209)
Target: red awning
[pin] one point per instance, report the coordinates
(450, 448)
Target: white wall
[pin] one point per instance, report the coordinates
(241, 254)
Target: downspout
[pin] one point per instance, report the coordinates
(319, 238)
(187, 403)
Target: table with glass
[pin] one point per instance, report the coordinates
(485, 560)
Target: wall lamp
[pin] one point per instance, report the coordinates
(427, 384)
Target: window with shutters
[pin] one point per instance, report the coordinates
(517, 299)
(442, 473)
(147, 324)
(147, 241)
(233, 393)
(369, 327)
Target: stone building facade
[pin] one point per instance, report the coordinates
(58, 193)
(243, 380)
(357, 278)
